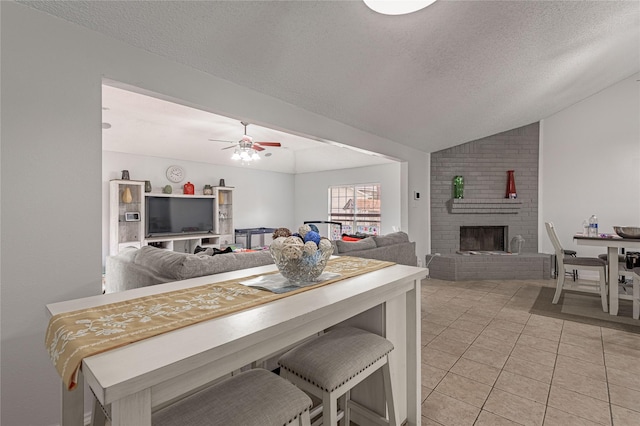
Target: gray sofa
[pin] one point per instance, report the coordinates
(133, 268)
(394, 247)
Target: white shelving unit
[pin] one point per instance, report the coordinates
(125, 233)
(126, 215)
(224, 214)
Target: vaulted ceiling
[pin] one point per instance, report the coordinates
(453, 72)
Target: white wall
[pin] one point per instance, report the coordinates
(51, 181)
(590, 164)
(260, 198)
(311, 192)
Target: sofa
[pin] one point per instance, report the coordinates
(133, 268)
(394, 247)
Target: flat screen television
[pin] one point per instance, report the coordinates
(178, 215)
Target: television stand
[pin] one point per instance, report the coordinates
(127, 216)
(184, 243)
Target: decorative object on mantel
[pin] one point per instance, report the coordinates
(147, 186)
(125, 175)
(458, 187)
(167, 189)
(208, 190)
(127, 197)
(189, 189)
(300, 257)
(511, 185)
(221, 182)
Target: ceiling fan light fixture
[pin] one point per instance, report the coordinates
(246, 150)
(397, 7)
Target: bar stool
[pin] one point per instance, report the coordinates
(329, 366)
(252, 398)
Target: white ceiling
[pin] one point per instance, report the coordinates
(453, 72)
(147, 125)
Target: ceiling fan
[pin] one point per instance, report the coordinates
(247, 143)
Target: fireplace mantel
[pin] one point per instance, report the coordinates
(484, 206)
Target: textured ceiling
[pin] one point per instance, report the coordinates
(453, 72)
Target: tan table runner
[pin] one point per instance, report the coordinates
(72, 336)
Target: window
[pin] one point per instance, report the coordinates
(357, 207)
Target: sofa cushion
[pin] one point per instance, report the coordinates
(161, 262)
(391, 239)
(348, 246)
(198, 266)
(180, 266)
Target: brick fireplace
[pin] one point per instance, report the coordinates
(484, 163)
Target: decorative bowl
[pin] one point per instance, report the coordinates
(627, 231)
(298, 262)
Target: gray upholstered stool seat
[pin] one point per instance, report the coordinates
(332, 364)
(252, 398)
(605, 257)
(584, 261)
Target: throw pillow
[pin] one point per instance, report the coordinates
(391, 239)
(349, 246)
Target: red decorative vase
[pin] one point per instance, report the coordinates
(189, 189)
(511, 185)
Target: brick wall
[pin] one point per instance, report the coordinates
(484, 163)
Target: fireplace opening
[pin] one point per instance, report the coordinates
(483, 238)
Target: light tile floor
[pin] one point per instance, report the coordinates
(487, 361)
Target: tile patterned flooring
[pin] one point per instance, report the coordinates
(487, 361)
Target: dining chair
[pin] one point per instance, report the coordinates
(570, 263)
(605, 257)
(634, 274)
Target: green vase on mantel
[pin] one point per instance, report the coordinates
(458, 187)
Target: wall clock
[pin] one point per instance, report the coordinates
(175, 174)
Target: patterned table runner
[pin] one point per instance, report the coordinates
(72, 336)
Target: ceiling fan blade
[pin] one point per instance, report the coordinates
(257, 147)
(218, 140)
(268, 143)
(229, 147)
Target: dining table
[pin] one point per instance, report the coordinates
(613, 243)
(134, 379)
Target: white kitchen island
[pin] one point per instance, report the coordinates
(138, 377)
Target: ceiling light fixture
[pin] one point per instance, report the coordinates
(245, 154)
(245, 150)
(397, 7)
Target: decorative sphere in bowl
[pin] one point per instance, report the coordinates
(627, 231)
(298, 261)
